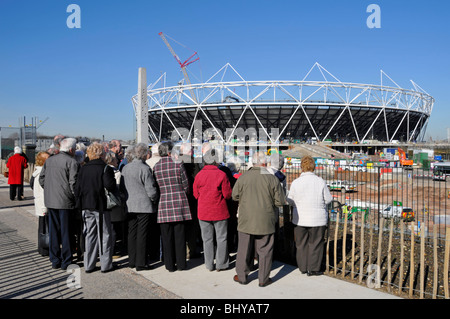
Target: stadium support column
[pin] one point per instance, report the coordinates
(142, 109)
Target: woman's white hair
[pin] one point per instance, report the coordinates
(276, 161)
(68, 144)
(259, 158)
(155, 148)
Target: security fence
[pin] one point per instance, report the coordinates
(24, 137)
(9, 138)
(395, 194)
(387, 225)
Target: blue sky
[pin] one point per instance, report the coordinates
(83, 79)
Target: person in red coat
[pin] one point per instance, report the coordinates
(16, 165)
(212, 189)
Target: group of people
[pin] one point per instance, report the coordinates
(173, 206)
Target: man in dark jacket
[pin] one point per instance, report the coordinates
(58, 178)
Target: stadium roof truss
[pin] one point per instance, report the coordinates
(324, 109)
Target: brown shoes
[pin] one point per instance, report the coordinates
(268, 282)
(236, 278)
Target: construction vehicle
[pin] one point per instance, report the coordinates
(342, 186)
(398, 212)
(404, 161)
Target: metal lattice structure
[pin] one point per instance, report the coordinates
(324, 109)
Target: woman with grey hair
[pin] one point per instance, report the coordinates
(142, 198)
(173, 208)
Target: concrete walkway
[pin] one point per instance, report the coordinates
(288, 283)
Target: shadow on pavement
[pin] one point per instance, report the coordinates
(24, 274)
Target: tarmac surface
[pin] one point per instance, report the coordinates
(24, 274)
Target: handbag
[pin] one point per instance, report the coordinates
(44, 237)
(111, 199)
(32, 182)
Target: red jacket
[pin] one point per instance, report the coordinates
(212, 189)
(16, 165)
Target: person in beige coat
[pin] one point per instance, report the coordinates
(39, 206)
(258, 192)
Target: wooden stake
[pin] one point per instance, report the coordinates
(327, 267)
(335, 244)
(422, 260)
(380, 239)
(353, 243)
(371, 225)
(446, 261)
(391, 231)
(361, 252)
(344, 247)
(411, 261)
(402, 249)
(435, 258)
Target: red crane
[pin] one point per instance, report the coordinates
(183, 65)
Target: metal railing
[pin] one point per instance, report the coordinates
(405, 250)
(388, 193)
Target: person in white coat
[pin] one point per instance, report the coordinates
(39, 206)
(309, 195)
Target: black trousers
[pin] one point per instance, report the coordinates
(310, 246)
(153, 239)
(59, 229)
(15, 189)
(137, 239)
(174, 245)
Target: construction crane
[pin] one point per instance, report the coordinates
(41, 123)
(183, 65)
